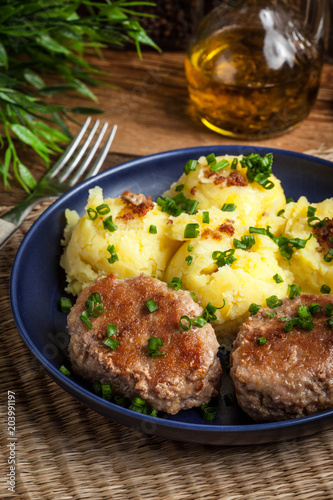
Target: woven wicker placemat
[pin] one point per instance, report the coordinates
(65, 451)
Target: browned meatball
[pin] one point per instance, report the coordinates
(285, 375)
(187, 375)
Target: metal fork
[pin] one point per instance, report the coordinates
(61, 177)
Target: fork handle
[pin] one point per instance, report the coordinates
(7, 229)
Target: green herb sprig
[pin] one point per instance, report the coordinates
(46, 37)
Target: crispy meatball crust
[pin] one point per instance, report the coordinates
(187, 375)
(291, 375)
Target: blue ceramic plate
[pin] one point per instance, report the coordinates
(37, 283)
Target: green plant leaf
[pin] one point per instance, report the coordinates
(28, 137)
(3, 56)
(51, 44)
(34, 79)
(49, 133)
(84, 90)
(46, 37)
(86, 111)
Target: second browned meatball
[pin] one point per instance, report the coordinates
(280, 375)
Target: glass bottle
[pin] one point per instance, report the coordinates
(253, 67)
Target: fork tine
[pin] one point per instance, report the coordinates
(65, 173)
(101, 157)
(83, 167)
(68, 151)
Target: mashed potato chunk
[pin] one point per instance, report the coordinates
(312, 266)
(126, 238)
(220, 272)
(224, 181)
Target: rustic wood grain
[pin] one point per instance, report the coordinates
(150, 104)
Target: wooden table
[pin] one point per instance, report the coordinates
(150, 104)
(65, 450)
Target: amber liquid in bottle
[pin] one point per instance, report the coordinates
(245, 85)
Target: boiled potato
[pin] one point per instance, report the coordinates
(230, 186)
(249, 278)
(307, 264)
(86, 241)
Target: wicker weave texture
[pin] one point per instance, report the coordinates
(65, 451)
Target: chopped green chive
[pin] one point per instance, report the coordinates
(245, 243)
(191, 231)
(271, 314)
(190, 248)
(189, 259)
(185, 326)
(315, 308)
(329, 309)
(199, 321)
(217, 167)
(113, 256)
(64, 370)
(175, 283)
(280, 212)
(111, 342)
(84, 317)
(103, 209)
(257, 230)
(191, 165)
(154, 343)
(109, 225)
(277, 278)
(92, 214)
(180, 187)
(330, 322)
(234, 164)
(65, 304)
(106, 392)
(329, 256)
(224, 258)
(273, 302)
(289, 325)
(194, 297)
(286, 245)
(111, 329)
(94, 305)
(209, 312)
(261, 340)
(152, 229)
(177, 205)
(151, 305)
(120, 400)
(139, 405)
(311, 211)
(228, 207)
(97, 387)
(259, 169)
(290, 200)
(325, 289)
(208, 412)
(211, 158)
(293, 291)
(254, 308)
(205, 217)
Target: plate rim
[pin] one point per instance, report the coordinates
(70, 385)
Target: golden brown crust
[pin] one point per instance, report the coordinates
(137, 205)
(185, 376)
(291, 375)
(324, 233)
